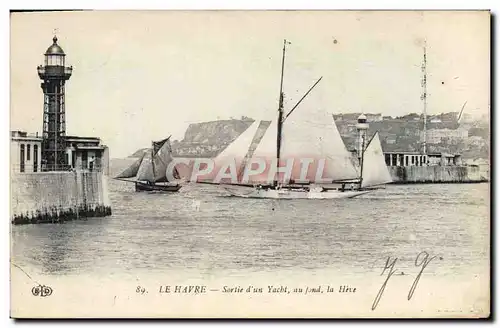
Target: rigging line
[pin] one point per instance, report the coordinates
(298, 103)
(460, 115)
(364, 150)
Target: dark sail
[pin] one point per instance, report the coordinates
(155, 163)
(157, 145)
(146, 171)
(132, 170)
(162, 158)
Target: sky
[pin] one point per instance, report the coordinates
(143, 75)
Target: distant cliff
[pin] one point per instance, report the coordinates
(444, 134)
(206, 139)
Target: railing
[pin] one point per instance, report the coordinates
(30, 168)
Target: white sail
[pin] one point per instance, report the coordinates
(375, 171)
(237, 150)
(265, 154)
(145, 171)
(267, 146)
(313, 134)
(230, 161)
(132, 170)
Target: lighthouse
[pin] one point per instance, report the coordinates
(54, 75)
(362, 128)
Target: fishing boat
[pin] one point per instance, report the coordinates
(291, 138)
(149, 172)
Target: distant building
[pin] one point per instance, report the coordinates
(390, 140)
(374, 117)
(354, 117)
(81, 153)
(482, 164)
(25, 152)
(436, 135)
(87, 153)
(418, 159)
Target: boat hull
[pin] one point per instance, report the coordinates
(294, 193)
(139, 186)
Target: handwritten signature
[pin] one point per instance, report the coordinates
(423, 259)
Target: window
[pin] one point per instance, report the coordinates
(28, 152)
(84, 160)
(35, 158)
(54, 60)
(406, 160)
(21, 160)
(412, 160)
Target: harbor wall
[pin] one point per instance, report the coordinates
(437, 174)
(49, 197)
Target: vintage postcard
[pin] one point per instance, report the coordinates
(250, 164)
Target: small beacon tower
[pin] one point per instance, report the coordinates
(362, 128)
(54, 75)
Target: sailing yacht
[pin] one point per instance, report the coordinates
(298, 138)
(347, 178)
(150, 170)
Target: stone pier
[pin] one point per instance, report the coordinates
(436, 174)
(52, 197)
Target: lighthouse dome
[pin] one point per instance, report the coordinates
(55, 49)
(362, 118)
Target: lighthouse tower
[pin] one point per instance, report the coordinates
(54, 76)
(362, 128)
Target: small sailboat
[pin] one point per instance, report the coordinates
(150, 170)
(299, 136)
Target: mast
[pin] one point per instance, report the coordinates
(280, 112)
(424, 96)
(362, 160)
(153, 161)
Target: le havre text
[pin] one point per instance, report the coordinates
(183, 289)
